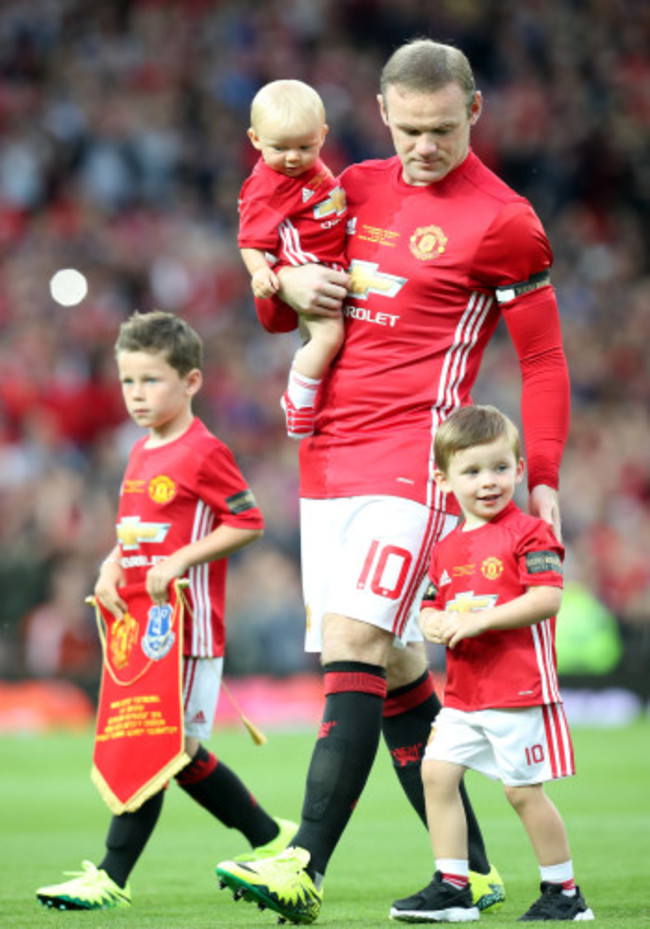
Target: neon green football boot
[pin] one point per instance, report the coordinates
(287, 830)
(488, 892)
(89, 889)
(281, 883)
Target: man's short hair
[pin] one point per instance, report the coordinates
(423, 65)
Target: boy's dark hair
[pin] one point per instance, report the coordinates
(162, 333)
(422, 66)
(469, 426)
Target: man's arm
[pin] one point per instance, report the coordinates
(534, 326)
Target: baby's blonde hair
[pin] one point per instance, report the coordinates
(288, 103)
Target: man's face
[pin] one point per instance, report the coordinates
(430, 129)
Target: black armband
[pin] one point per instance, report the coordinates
(511, 291)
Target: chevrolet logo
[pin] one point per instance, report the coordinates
(368, 279)
(468, 602)
(131, 532)
(335, 203)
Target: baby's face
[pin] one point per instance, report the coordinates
(290, 151)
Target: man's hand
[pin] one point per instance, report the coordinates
(544, 503)
(314, 289)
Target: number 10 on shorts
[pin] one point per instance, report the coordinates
(385, 570)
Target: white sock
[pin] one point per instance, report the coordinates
(302, 389)
(560, 874)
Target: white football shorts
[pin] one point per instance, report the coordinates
(367, 558)
(201, 686)
(518, 746)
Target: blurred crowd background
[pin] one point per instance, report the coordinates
(122, 149)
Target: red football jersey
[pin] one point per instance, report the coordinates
(425, 263)
(174, 494)
(477, 570)
(298, 220)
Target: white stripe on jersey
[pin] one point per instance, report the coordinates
(198, 577)
(293, 252)
(455, 364)
(453, 372)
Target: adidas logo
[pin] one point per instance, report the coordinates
(307, 194)
(198, 718)
(444, 579)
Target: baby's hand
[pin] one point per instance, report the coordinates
(265, 283)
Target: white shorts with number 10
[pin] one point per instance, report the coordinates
(519, 746)
(367, 558)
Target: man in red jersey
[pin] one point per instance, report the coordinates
(438, 249)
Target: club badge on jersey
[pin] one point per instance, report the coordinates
(139, 734)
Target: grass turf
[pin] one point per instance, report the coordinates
(51, 817)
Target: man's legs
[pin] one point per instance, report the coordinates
(354, 656)
(410, 708)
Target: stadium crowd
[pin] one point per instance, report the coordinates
(122, 149)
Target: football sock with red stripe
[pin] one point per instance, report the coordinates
(453, 871)
(343, 756)
(127, 836)
(217, 788)
(302, 390)
(560, 874)
(408, 714)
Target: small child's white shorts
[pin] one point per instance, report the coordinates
(518, 746)
(367, 557)
(201, 686)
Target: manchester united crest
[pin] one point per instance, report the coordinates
(428, 242)
(492, 568)
(161, 489)
(124, 634)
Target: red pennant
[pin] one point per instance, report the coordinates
(139, 737)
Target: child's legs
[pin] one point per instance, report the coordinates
(325, 339)
(542, 821)
(445, 813)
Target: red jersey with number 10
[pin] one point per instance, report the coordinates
(480, 569)
(172, 495)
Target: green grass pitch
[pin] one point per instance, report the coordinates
(51, 817)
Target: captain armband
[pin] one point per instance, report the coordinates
(511, 291)
(430, 593)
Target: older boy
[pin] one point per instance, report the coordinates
(183, 480)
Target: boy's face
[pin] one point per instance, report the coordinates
(156, 396)
(290, 152)
(483, 479)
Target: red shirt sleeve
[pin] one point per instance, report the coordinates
(534, 326)
(539, 557)
(513, 251)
